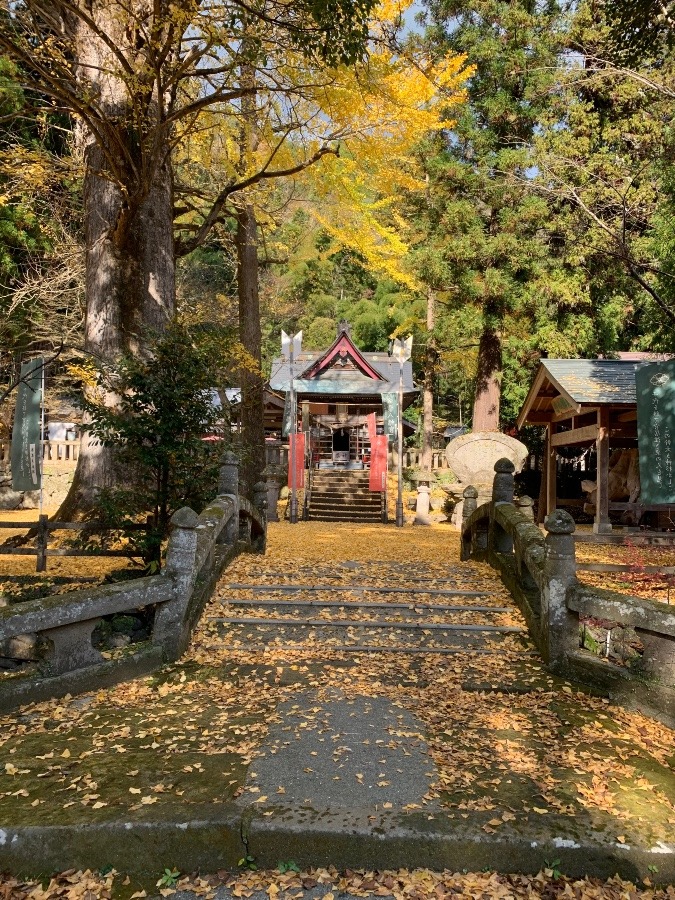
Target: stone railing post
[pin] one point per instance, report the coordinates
(228, 485)
(525, 505)
(560, 625)
(503, 486)
(179, 571)
(469, 506)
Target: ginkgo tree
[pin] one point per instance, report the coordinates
(274, 88)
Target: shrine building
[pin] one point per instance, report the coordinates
(338, 390)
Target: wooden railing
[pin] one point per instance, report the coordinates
(65, 453)
(61, 453)
(43, 527)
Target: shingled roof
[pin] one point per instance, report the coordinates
(582, 382)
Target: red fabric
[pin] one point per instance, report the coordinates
(299, 440)
(379, 447)
(372, 427)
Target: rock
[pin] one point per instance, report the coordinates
(436, 503)
(472, 457)
(117, 641)
(22, 646)
(10, 499)
(31, 500)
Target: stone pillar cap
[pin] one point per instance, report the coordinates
(559, 522)
(470, 492)
(185, 518)
(505, 466)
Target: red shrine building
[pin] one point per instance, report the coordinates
(337, 391)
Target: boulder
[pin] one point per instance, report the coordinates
(472, 457)
(10, 499)
(22, 646)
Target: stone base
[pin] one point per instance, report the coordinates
(602, 527)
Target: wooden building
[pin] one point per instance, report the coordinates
(581, 403)
(337, 389)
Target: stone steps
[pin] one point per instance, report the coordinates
(308, 636)
(343, 497)
(305, 623)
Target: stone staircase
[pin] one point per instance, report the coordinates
(360, 617)
(343, 496)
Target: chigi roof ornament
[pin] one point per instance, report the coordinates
(344, 328)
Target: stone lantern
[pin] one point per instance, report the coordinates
(275, 477)
(424, 480)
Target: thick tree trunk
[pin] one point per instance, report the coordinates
(428, 388)
(488, 380)
(128, 223)
(252, 396)
(130, 292)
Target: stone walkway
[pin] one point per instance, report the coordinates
(357, 697)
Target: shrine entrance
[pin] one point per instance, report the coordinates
(341, 441)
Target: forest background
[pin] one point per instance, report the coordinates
(496, 178)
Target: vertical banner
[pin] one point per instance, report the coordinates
(372, 426)
(26, 452)
(379, 447)
(390, 410)
(290, 415)
(655, 392)
(299, 441)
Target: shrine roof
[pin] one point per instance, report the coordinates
(579, 383)
(342, 381)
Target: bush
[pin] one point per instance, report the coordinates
(162, 414)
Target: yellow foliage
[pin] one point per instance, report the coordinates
(84, 372)
(370, 116)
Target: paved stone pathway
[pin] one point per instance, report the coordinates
(355, 697)
(422, 712)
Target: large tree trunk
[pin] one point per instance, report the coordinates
(428, 389)
(488, 379)
(130, 293)
(129, 264)
(252, 393)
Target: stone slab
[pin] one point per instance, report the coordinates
(472, 457)
(350, 588)
(336, 761)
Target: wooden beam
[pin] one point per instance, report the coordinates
(601, 524)
(575, 436)
(539, 418)
(551, 469)
(627, 416)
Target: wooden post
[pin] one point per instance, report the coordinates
(41, 542)
(601, 524)
(551, 470)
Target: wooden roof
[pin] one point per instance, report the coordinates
(562, 385)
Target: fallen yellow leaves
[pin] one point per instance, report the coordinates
(416, 884)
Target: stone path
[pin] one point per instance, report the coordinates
(356, 697)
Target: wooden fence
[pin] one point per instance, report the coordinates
(63, 454)
(43, 527)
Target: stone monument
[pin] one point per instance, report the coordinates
(472, 457)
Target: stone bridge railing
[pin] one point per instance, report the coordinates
(199, 548)
(540, 571)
